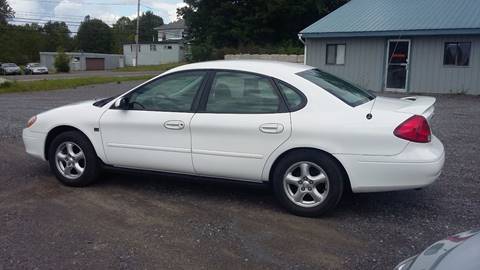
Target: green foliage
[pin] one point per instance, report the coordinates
(124, 30)
(62, 61)
(6, 12)
(95, 36)
(272, 26)
(21, 43)
(56, 35)
(44, 85)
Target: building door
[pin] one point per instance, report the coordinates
(95, 63)
(398, 56)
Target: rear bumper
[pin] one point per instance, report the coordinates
(418, 165)
(34, 143)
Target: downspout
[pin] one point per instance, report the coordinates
(304, 49)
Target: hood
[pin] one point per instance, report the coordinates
(460, 251)
(413, 105)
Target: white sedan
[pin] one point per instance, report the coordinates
(308, 133)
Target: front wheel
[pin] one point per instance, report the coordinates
(308, 183)
(73, 159)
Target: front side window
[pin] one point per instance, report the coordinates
(457, 53)
(345, 91)
(173, 93)
(237, 92)
(336, 54)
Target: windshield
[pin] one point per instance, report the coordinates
(9, 65)
(34, 64)
(345, 91)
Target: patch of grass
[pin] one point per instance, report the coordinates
(163, 67)
(43, 85)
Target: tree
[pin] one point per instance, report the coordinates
(123, 33)
(62, 61)
(57, 35)
(95, 36)
(251, 23)
(6, 12)
(148, 21)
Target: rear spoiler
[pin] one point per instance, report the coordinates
(420, 106)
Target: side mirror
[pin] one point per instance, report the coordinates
(121, 103)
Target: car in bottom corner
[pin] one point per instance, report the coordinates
(35, 68)
(460, 251)
(307, 133)
(10, 69)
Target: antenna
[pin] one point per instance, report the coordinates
(369, 114)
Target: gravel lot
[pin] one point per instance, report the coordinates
(142, 221)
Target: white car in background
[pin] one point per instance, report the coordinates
(35, 68)
(308, 133)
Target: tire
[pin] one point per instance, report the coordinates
(324, 183)
(71, 167)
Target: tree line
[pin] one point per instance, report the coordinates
(22, 43)
(215, 27)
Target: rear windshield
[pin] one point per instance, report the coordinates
(345, 91)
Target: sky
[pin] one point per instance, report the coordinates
(73, 11)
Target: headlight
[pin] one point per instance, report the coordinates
(31, 121)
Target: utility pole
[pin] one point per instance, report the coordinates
(137, 34)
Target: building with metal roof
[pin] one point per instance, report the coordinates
(428, 46)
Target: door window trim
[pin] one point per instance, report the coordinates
(387, 62)
(195, 101)
(300, 93)
(282, 107)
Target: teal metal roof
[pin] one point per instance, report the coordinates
(399, 17)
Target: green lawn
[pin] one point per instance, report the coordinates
(43, 85)
(163, 67)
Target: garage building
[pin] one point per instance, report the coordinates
(85, 61)
(427, 46)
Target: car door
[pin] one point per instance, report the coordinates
(242, 119)
(152, 131)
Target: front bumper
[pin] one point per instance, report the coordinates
(34, 143)
(418, 165)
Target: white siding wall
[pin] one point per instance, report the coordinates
(161, 55)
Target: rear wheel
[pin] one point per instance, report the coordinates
(73, 159)
(308, 183)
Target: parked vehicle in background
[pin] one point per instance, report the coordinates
(35, 68)
(460, 251)
(311, 134)
(10, 69)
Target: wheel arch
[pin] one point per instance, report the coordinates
(54, 132)
(302, 149)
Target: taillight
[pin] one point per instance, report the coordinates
(415, 129)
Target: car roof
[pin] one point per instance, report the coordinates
(266, 67)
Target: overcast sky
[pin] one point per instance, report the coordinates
(73, 11)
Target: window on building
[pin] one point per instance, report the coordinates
(336, 54)
(168, 47)
(153, 47)
(457, 53)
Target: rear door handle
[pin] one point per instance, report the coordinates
(271, 128)
(174, 124)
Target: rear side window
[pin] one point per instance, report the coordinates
(345, 91)
(294, 99)
(237, 92)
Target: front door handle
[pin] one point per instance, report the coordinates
(174, 124)
(271, 128)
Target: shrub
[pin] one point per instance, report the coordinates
(62, 61)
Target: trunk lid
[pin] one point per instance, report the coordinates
(418, 105)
